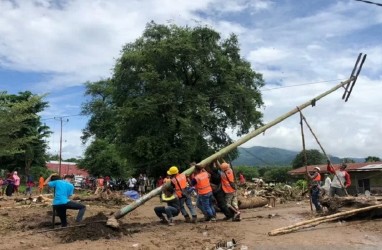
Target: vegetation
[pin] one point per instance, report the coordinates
(173, 94)
(22, 135)
(372, 159)
(314, 157)
(276, 174)
(248, 172)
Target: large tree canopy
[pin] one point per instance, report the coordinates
(174, 93)
(22, 135)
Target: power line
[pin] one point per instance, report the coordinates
(303, 84)
(248, 152)
(214, 95)
(369, 2)
(58, 117)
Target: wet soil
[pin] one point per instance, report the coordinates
(28, 228)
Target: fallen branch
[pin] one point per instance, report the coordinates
(320, 220)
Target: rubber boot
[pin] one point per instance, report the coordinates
(187, 219)
(194, 219)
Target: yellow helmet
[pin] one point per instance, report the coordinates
(173, 170)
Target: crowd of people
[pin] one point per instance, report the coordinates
(213, 186)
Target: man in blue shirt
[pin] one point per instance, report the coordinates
(63, 190)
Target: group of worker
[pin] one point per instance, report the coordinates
(212, 183)
(341, 181)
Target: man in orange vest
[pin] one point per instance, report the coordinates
(315, 188)
(229, 188)
(201, 181)
(179, 183)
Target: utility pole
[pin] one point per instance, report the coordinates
(60, 154)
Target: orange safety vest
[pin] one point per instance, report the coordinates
(227, 188)
(180, 183)
(203, 185)
(317, 178)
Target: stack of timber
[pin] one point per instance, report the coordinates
(337, 216)
(334, 204)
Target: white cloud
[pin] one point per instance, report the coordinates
(78, 40)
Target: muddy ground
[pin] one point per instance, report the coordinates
(25, 228)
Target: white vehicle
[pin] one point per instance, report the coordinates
(78, 179)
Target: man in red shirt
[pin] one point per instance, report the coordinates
(340, 182)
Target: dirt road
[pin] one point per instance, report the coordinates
(21, 229)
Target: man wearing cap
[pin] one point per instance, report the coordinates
(340, 182)
(63, 189)
(315, 188)
(179, 183)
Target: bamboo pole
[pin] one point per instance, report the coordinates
(305, 159)
(320, 220)
(323, 150)
(127, 209)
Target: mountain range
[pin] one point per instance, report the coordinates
(264, 156)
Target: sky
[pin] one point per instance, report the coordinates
(302, 49)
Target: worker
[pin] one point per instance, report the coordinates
(315, 187)
(341, 180)
(218, 192)
(326, 187)
(229, 187)
(179, 183)
(63, 189)
(41, 184)
(202, 184)
(173, 206)
(241, 179)
(100, 184)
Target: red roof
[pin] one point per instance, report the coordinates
(351, 167)
(66, 168)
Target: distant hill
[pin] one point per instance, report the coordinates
(264, 156)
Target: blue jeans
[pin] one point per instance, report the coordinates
(315, 198)
(169, 211)
(188, 201)
(206, 202)
(61, 211)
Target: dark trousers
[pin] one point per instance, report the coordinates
(315, 198)
(221, 203)
(61, 211)
(169, 211)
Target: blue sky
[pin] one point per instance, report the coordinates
(52, 47)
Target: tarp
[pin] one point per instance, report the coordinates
(132, 194)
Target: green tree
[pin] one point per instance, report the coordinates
(372, 159)
(23, 134)
(174, 93)
(314, 157)
(102, 158)
(277, 174)
(248, 172)
(348, 160)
